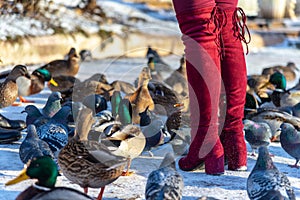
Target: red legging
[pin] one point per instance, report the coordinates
(184, 5)
(213, 25)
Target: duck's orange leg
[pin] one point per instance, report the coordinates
(23, 100)
(101, 193)
(85, 190)
(127, 172)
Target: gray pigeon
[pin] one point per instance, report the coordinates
(290, 141)
(257, 134)
(266, 181)
(165, 183)
(56, 131)
(52, 105)
(33, 147)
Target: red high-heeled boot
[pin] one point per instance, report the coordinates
(234, 76)
(200, 37)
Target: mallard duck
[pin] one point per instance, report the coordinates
(11, 124)
(115, 101)
(108, 124)
(123, 86)
(88, 87)
(63, 83)
(8, 136)
(9, 88)
(178, 79)
(281, 96)
(34, 84)
(165, 182)
(85, 55)
(155, 75)
(274, 118)
(66, 83)
(289, 70)
(160, 64)
(167, 104)
(69, 67)
(32, 146)
(252, 101)
(44, 169)
(132, 142)
(89, 163)
(141, 98)
(261, 86)
(95, 102)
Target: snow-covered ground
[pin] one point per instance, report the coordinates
(61, 15)
(231, 185)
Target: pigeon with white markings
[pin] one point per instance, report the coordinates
(165, 183)
(266, 181)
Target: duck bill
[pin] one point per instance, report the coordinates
(177, 105)
(53, 82)
(22, 176)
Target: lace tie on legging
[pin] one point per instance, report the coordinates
(219, 22)
(240, 28)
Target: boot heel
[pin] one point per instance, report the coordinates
(214, 166)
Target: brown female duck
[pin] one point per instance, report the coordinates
(141, 98)
(69, 67)
(9, 88)
(89, 163)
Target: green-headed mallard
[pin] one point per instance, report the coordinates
(69, 67)
(63, 83)
(89, 163)
(9, 88)
(34, 84)
(44, 169)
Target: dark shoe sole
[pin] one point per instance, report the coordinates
(199, 166)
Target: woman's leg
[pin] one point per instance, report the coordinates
(197, 23)
(234, 76)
